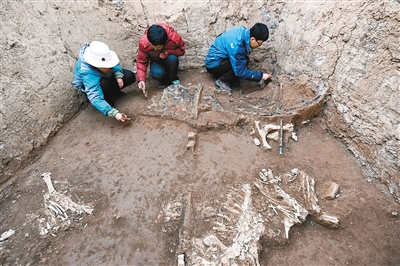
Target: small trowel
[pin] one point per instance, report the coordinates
(128, 121)
(146, 94)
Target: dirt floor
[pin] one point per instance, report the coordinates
(130, 174)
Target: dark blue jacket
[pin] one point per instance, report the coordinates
(233, 44)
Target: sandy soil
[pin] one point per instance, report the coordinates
(129, 174)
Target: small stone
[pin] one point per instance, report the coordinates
(395, 214)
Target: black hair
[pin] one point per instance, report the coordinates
(260, 32)
(157, 35)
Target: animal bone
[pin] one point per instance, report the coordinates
(328, 221)
(294, 136)
(310, 197)
(264, 132)
(213, 240)
(274, 208)
(57, 204)
(6, 235)
(47, 179)
(181, 260)
(332, 191)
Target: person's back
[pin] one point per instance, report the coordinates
(226, 44)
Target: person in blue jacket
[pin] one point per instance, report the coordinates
(99, 75)
(228, 56)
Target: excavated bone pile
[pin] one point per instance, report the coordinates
(57, 205)
(249, 217)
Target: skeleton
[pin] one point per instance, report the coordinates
(58, 204)
(243, 221)
(264, 132)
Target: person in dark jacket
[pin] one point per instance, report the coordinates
(160, 46)
(228, 56)
(99, 75)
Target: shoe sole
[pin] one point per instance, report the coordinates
(219, 86)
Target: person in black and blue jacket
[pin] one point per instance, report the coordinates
(99, 75)
(228, 56)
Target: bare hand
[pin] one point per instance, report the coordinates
(266, 76)
(121, 117)
(120, 83)
(142, 85)
(163, 55)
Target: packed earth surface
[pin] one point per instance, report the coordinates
(143, 196)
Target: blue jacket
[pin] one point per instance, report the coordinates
(87, 79)
(233, 44)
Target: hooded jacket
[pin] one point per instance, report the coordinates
(233, 44)
(87, 79)
(174, 45)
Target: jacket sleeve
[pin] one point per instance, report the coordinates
(141, 63)
(239, 59)
(95, 94)
(117, 70)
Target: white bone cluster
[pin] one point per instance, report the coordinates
(57, 204)
(271, 131)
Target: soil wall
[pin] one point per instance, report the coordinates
(351, 46)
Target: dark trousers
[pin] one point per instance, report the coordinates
(111, 88)
(224, 72)
(165, 71)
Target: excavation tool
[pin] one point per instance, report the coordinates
(146, 94)
(128, 121)
(281, 138)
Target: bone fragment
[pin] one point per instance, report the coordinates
(47, 179)
(264, 131)
(294, 136)
(190, 146)
(332, 191)
(310, 198)
(328, 221)
(274, 208)
(181, 260)
(257, 141)
(212, 240)
(6, 235)
(295, 171)
(191, 136)
(273, 136)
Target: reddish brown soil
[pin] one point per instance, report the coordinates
(129, 173)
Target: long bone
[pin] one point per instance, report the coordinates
(47, 179)
(264, 132)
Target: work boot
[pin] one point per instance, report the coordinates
(223, 85)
